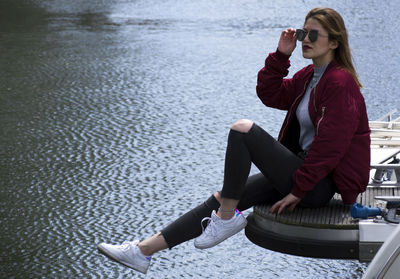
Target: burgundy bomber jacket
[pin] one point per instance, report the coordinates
(341, 145)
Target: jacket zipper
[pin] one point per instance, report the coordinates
(322, 117)
(315, 89)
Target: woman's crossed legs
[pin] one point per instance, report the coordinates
(247, 144)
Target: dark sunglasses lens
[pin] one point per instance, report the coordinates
(313, 35)
(300, 34)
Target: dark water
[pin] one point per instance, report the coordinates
(114, 118)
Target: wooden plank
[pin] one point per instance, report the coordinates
(384, 124)
(320, 216)
(263, 210)
(348, 219)
(383, 142)
(330, 218)
(298, 213)
(377, 133)
(339, 214)
(288, 217)
(333, 214)
(307, 216)
(325, 216)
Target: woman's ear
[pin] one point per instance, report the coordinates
(333, 44)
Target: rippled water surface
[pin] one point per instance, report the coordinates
(114, 118)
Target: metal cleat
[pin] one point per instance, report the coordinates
(392, 208)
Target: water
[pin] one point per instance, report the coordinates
(114, 119)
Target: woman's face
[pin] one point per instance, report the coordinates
(322, 50)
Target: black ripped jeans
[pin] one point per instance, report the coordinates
(276, 164)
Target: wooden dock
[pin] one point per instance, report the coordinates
(335, 215)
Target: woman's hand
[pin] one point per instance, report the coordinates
(287, 41)
(290, 200)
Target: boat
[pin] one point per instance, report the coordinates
(339, 231)
(386, 262)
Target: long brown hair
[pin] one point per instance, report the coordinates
(333, 23)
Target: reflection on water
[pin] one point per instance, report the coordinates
(114, 118)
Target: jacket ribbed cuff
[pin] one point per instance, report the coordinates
(281, 56)
(298, 192)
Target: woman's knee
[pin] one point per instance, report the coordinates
(242, 125)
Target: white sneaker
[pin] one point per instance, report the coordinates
(218, 229)
(127, 254)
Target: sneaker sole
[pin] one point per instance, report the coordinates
(219, 241)
(107, 253)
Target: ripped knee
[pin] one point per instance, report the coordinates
(242, 125)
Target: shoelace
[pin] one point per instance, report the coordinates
(211, 228)
(126, 245)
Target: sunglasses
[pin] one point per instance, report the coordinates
(312, 35)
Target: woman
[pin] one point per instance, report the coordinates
(322, 148)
